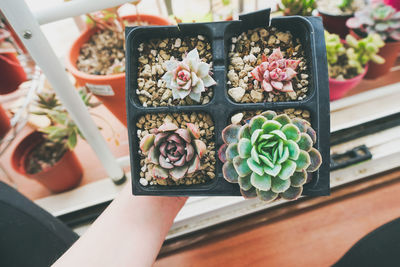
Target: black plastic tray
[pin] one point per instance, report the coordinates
(221, 107)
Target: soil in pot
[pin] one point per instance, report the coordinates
(44, 156)
(152, 90)
(103, 53)
(51, 164)
(246, 53)
(206, 126)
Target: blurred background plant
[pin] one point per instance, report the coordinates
(381, 19)
(298, 7)
(349, 59)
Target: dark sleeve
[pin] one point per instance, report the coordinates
(29, 236)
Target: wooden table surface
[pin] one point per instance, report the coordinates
(318, 236)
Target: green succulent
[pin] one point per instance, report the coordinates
(270, 156)
(298, 7)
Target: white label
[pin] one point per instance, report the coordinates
(100, 89)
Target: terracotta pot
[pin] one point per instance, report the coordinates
(5, 125)
(12, 74)
(337, 88)
(389, 52)
(110, 89)
(335, 23)
(393, 3)
(63, 175)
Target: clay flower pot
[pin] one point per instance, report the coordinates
(63, 175)
(5, 125)
(339, 88)
(390, 53)
(335, 23)
(110, 89)
(12, 74)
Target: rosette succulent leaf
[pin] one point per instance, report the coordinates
(174, 151)
(380, 19)
(276, 72)
(270, 156)
(189, 77)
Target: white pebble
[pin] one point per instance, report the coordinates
(143, 182)
(178, 42)
(236, 93)
(237, 118)
(200, 37)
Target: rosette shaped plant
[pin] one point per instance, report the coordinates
(189, 77)
(270, 156)
(175, 152)
(381, 19)
(276, 72)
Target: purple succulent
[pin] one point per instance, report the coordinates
(174, 151)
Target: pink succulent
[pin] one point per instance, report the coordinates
(276, 72)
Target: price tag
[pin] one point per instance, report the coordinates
(100, 89)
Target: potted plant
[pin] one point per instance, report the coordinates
(298, 7)
(47, 155)
(182, 92)
(270, 156)
(5, 125)
(335, 13)
(347, 61)
(12, 73)
(97, 58)
(385, 21)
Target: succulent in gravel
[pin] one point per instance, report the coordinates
(276, 72)
(270, 156)
(381, 19)
(189, 77)
(174, 151)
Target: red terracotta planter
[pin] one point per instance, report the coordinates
(337, 89)
(65, 174)
(5, 125)
(12, 74)
(110, 89)
(389, 52)
(335, 23)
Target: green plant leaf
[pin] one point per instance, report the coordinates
(231, 151)
(244, 182)
(267, 196)
(279, 185)
(288, 168)
(254, 155)
(270, 126)
(244, 148)
(241, 166)
(229, 172)
(303, 161)
(292, 193)
(244, 131)
(261, 182)
(255, 167)
(298, 178)
(72, 140)
(255, 135)
(291, 132)
(266, 161)
(256, 123)
(273, 171)
(294, 149)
